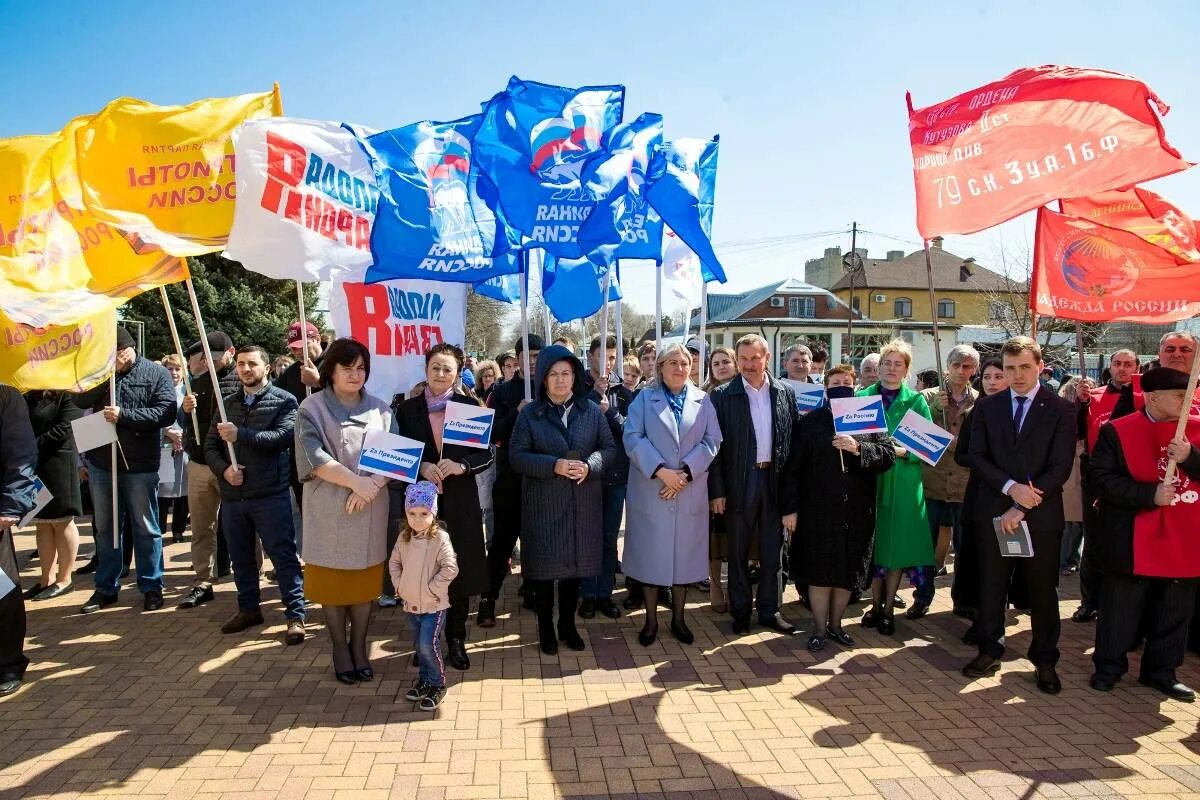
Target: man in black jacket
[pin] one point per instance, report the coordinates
(1022, 449)
(756, 413)
(1143, 545)
(254, 494)
(18, 459)
(508, 399)
(204, 496)
(145, 404)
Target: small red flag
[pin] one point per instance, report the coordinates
(1139, 211)
(1095, 273)
(1039, 134)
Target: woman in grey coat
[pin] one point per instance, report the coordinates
(671, 435)
(561, 444)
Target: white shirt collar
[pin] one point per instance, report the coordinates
(766, 385)
(1028, 395)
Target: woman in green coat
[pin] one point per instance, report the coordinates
(902, 541)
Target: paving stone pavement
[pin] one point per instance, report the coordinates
(124, 703)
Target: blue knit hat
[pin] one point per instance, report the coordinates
(421, 494)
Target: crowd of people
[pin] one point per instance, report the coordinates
(730, 479)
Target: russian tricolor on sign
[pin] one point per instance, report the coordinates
(468, 425)
(391, 455)
(858, 415)
(922, 438)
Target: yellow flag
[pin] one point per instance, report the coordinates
(58, 263)
(165, 174)
(71, 357)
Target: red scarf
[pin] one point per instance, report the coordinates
(1166, 539)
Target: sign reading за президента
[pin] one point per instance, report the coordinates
(468, 425)
(858, 415)
(391, 455)
(809, 396)
(922, 438)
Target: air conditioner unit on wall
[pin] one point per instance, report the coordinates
(881, 298)
(776, 302)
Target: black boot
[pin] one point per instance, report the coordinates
(457, 654)
(543, 598)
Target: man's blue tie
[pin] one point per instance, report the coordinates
(1019, 414)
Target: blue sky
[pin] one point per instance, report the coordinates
(808, 97)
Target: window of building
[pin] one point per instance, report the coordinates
(856, 305)
(861, 346)
(802, 307)
(945, 309)
(902, 308)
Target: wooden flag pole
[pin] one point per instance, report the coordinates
(116, 511)
(523, 257)
(1181, 425)
(933, 315)
(212, 368)
(303, 332)
(604, 286)
(1079, 347)
(703, 324)
(187, 378)
(658, 278)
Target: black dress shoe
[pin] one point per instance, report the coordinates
(647, 637)
(899, 602)
(816, 643)
(682, 633)
(87, 569)
(917, 611)
(364, 674)
(153, 601)
(1047, 679)
(1172, 689)
(872, 617)
(196, 596)
(54, 590)
(839, 636)
(741, 623)
(97, 601)
(486, 618)
(33, 591)
(609, 609)
(887, 624)
(587, 608)
(981, 666)
(1085, 614)
(777, 623)
(571, 638)
(1102, 683)
(457, 651)
(349, 677)
(9, 686)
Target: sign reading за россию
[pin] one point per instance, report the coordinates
(858, 415)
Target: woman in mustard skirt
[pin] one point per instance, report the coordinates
(345, 510)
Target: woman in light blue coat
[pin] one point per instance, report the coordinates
(671, 436)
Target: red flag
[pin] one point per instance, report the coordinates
(1143, 212)
(1037, 135)
(1093, 273)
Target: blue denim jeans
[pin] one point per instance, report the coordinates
(137, 493)
(600, 587)
(427, 639)
(271, 519)
(940, 512)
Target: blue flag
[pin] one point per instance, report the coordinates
(532, 145)
(505, 288)
(680, 187)
(573, 288)
(435, 218)
(622, 223)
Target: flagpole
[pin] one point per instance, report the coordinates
(1079, 347)
(187, 380)
(212, 368)
(1181, 425)
(937, 342)
(303, 332)
(618, 328)
(523, 258)
(658, 307)
(116, 510)
(603, 370)
(703, 324)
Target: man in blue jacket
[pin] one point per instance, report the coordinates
(254, 494)
(18, 458)
(144, 405)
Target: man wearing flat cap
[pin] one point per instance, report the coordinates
(144, 405)
(204, 490)
(1145, 545)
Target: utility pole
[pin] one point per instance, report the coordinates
(851, 263)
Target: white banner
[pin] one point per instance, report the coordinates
(681, 269)
(398, 320)
(306, 200)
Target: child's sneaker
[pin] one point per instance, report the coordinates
(417, 692)
(433, 697)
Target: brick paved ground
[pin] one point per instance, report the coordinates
(128, 704)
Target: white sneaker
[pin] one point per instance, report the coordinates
(387, 601)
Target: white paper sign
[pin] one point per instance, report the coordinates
(922, 438)
(93, 431)
(398, 320)
(854, 415)
(809, 396)
(6, 585)
(41, 501)
(166, 465)
(391, 455)
(468, 425)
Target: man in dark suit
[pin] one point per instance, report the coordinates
(1022, 449)
(756, 413)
